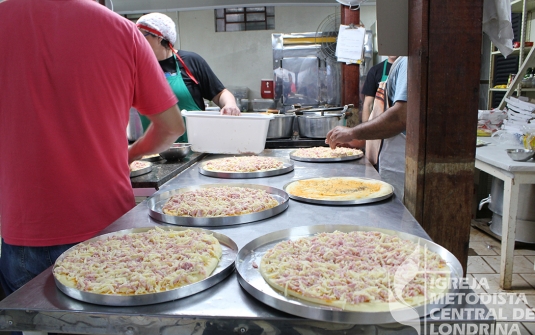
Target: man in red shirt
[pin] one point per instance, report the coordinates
(69, 73)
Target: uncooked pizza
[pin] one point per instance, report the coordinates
(326, 152)
(219, 202)
(339, 188)
(356, 271)
(243, 164)
(139, 263)
(139, 165)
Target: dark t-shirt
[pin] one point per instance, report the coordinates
(373, 78)
(209, 85)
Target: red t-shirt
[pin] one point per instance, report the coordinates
(69, 72)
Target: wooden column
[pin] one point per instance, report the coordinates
(444, 68)
(351, 72)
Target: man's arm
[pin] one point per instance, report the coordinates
(367, 107)
(226, 100)
(392, 122)
(164, 129)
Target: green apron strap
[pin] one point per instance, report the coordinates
(185, 100)
(385, 76)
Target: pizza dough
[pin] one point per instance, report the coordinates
(243, 164)
(139, 165)
(355, 271)
(339, 188)
(218, 202)
(139, 263)
(326, 152)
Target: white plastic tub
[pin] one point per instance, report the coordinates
(225, 134)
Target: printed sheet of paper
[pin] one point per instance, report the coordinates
(350, 44)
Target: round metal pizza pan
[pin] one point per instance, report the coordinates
(158, 201)
(141, 171)
(249, 277)
(325, 160)
(340, 202)
(223, 270)
(287, 167)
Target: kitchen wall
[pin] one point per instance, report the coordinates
(244, 58)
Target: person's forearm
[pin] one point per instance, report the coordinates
(164, 129)
(390, 123)
(225, 98)
(367, 108)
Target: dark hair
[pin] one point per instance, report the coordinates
(165, 43)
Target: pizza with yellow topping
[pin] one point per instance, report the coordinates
(356, 271)
(339, 188)
(153, 261)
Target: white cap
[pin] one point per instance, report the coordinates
(158, 24)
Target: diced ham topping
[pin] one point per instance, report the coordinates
(326, 152)
(244, 164)
(139, 263)
(219, 201)
(352, 267)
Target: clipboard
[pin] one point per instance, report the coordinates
(350, 44)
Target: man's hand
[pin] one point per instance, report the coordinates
(339, 135)
(230, 110)
(226, 100)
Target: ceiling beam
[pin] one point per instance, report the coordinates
(143, 6)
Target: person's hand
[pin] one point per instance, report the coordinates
(338, 135)
(230, 110)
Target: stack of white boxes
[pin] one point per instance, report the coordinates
(520, 114)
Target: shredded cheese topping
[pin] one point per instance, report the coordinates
(351, 268)
(219, 201)
(326, 152)
(139, 263)
(243, 164)
(138, 165)
(338, 188)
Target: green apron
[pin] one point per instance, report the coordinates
(185, 100)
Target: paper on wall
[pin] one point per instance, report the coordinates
(350, 44)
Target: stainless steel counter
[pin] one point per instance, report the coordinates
(225, 308)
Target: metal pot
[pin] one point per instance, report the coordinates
(320, 113)
(525, 230)
(526, 200)
(281, 126)
(525, 223)
(318, 126)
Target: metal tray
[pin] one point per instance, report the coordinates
(141, 171)
(224, 268)
(158, 201)
(325, 160)
(252, 281)
(287, 167)
(339, 202)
